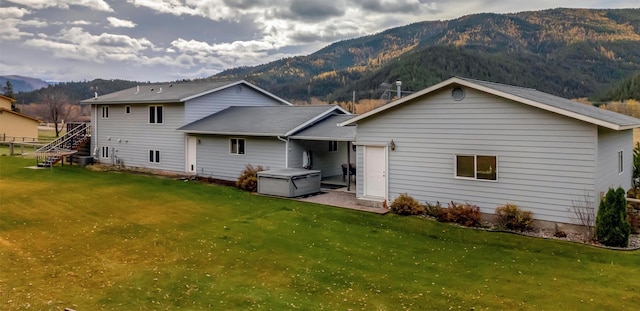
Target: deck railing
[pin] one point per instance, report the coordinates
(75, 137)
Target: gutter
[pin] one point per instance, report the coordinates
(286, 150)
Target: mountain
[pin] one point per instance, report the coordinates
(567, 52)
(23, 84)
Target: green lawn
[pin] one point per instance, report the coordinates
(115, 241)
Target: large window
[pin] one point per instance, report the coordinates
(620, 162)
(236, 146)
(155, 114)
(154, 156)
(476, 167)
(105, 112)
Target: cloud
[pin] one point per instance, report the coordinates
(13, 12)
(80, 23)
(116, 22)
(98, 5)
(75, 43)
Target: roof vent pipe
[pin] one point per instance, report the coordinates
(137, 89)
(160, 90)
(398, 88)
(95, 95)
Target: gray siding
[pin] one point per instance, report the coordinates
(131, 136)
(609, 144)
(215, 161)
(545, 161)
(327, 162)
(239, 95)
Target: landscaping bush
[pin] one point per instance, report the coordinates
(464, 214)
(612, 224)
(434, 210)
(511, 217)
(248, 179)
(406, 205)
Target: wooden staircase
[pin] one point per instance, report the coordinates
(77, 137)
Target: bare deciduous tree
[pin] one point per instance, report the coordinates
(57, 106)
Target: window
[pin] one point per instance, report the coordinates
(127, 109)
(620, 162)
(476, 167)
(333, 146)
(155, 114)
(104, 152)
(105, 112)
(154, 156)
(236, 146)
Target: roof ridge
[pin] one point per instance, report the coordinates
(497, 83)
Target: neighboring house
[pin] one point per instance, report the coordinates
(489, 144)
(14, 125)
(206, 128)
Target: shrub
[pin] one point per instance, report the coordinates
(612, 224)
(464, 214)
(406, 205)
(511, 217)
(248, 179)
(435, 210)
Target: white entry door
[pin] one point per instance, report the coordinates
(192, 143)
(375, 172)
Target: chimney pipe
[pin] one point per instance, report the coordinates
(399, 91)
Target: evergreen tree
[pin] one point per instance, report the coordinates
(612, 224)
(8, 92)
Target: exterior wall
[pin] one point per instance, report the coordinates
(239, 95)
(609, 144)
(214, 159)
(330, 163)
(5, 103)
(545, 161)
(13, 125)
(131, 136)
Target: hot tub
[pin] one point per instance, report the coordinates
(289, 182)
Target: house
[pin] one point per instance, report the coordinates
(209, 129)
(15, 126)
(489, 144)
(270, 137)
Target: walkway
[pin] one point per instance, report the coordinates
(341, 198)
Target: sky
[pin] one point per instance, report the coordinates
(168, 40)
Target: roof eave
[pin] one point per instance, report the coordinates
(314, 120)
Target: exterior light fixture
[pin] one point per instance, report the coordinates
(392, 145)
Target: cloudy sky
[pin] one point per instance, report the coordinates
(164, 40)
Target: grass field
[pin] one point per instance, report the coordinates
(86, 240)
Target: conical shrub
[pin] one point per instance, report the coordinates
(612, 224)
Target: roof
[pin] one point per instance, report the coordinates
(160, 93)
(328, 129)
(261, 121)
(527, 96)
(7, 98)
(3, 110)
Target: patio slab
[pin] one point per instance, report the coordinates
(341, 198)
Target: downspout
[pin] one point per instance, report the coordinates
(286, 150)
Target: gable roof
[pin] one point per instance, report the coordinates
(161, 93)
(4, 110)
(328, 129)
(261, 121)
(527, 96)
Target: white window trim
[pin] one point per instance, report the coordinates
(156, 156)
(475, 168)
(237, 142)
(620, 162)
(104, 109)
(155, 115)
(104, 152)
